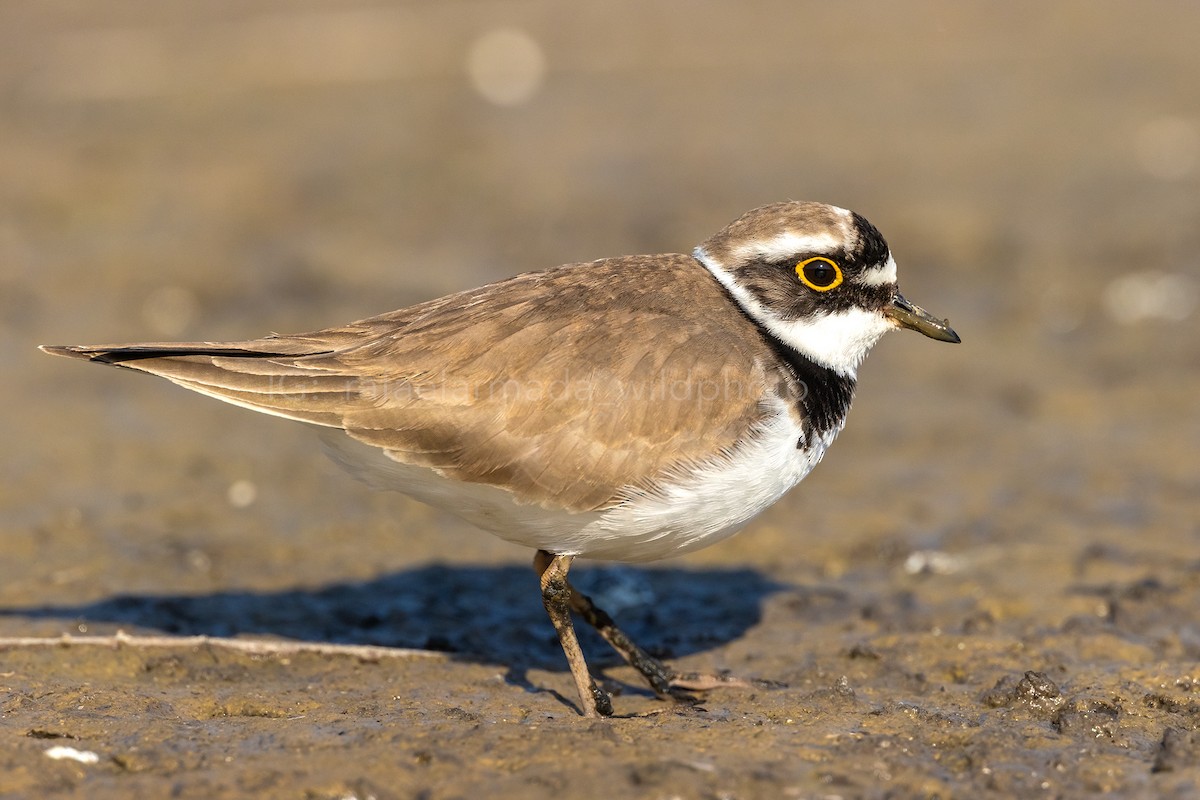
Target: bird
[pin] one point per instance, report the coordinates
(625, 409)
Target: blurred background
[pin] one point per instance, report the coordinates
(218, 170)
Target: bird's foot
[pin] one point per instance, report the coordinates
(703, 682)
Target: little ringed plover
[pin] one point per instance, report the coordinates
(629, 408)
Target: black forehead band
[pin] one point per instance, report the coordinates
(871, 249)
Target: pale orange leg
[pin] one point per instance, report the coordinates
(556, 596)
(560, 598)
(664, 680)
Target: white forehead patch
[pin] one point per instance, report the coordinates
(880, 276)
(788, 245)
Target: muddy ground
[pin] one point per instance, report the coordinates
(991, 587)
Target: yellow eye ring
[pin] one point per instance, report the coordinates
(815, 274)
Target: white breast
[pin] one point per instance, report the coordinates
(685, 512)
(708, 504)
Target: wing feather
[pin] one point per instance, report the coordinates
(565, 387)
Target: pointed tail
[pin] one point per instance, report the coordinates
(284, 376)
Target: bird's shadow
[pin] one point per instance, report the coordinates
(490, 614)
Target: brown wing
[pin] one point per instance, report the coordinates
(562, 386)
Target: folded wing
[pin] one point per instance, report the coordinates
(563, 391)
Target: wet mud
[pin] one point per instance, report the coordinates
(990, 588)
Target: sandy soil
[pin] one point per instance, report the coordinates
(990, 588)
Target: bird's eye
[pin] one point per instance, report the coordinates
(820, 274)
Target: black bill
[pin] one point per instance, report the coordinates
(907, 315)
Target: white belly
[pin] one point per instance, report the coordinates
(695, 509)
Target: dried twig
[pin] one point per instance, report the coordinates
(365, 652)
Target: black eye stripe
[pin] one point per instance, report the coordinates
(778, 287)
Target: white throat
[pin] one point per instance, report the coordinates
(839, 340)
